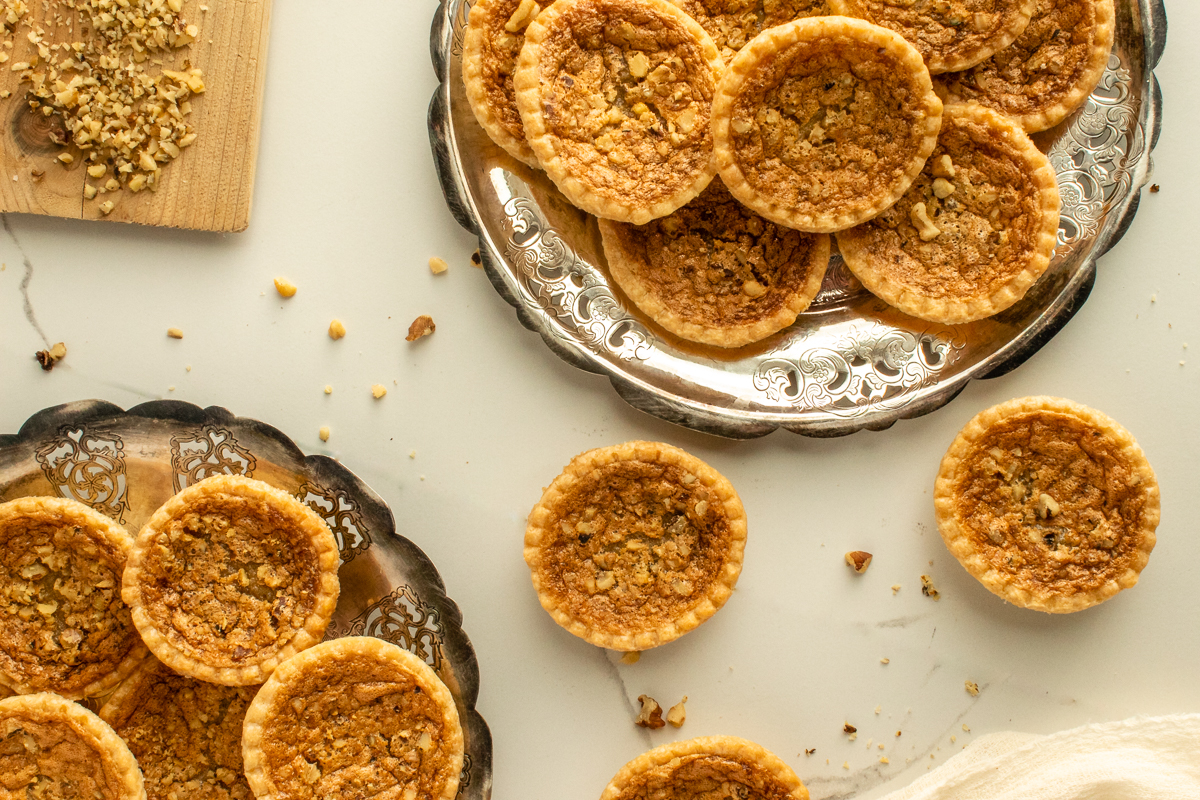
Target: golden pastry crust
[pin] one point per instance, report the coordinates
(353, 718)
(231, 577)
(634, 545)
(715, 272)
(822, 123)
(63, 627)
(972, 233)
(185, 734)
(616, 100)
(704, 768)
(1049, 504)
(53, 748)
(495, 34)
(732, 23)
(1049, 70)
(950, 34)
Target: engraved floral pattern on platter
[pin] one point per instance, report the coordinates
(341, 514)
(88, 467)
(557, 281)
(212, 451)
(403, 619)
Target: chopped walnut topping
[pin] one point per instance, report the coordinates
(175, 333)
(336, 329)
(928, 589)
(1047, 506)
(48, 358)
(285, 287)
(859, 560)
(438, 265)
(421, 326)
(942, 188)
(378, 390)
(943, 167)
(972, 688)
(919, 216)
(677, 714)
(650, 715)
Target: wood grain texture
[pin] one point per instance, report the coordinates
(209, 187)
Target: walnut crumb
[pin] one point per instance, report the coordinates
(1155, 188)
(809, 752)
(972, 688)
(175, 333)
(476, 260)
(651, 714)
(378, 390)
(928, 589)
(632, 657)
(677, 714)
(106, 207)
(48, 358)
(848, 728)
(324, 433)
(885, 661)
(285, 287)
(336, 329)
(859, 560)
(421, 326)
(438, 265)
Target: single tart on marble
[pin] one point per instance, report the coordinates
(975, 230)
(1049, 70)
(822, 123)
(616, 98)
(353, 718)
(231, 577)
(708, 768)
(495, 34)
(714, 271)
(185, 734)
(732, 23)
(53, 748)
(63, 627)
(1049, 504)
(950, 34)
(634, 545)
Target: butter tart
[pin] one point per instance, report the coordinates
(972, 234)
(51, 747)
(634, 545)
(616, 99)
(63, 626)
(822, 123)
(353, 718)
(231, 577)
(1049, 504)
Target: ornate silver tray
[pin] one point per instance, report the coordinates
(125, 464)
(850, 362)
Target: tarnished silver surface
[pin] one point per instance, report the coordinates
(850, 362)
(125, 464)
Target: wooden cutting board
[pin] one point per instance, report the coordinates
(209, 187)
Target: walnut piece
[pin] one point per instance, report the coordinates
(859, 560)
(421, 326)
(677, 714)
(48, 358)
(919, 216)
(848, 728)
(928, 589)
(651, 715)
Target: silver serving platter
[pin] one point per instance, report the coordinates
(125, 464)
(850, 362)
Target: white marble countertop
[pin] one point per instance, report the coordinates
(348, 207)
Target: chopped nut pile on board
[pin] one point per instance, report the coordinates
(103, 71)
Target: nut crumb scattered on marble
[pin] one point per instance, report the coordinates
(927, 588)
(650, 715)
(285, 287)
(885, 661)
(476, 260)
(324, 433)
(972, 688)
(328, 389)
(438, 265)
(809, 752)
(895, 588)
(632, 657)
(848, 728)
(677, 714)
(48, 358)
(336, 329)
(898, 733)
(884, 760)
(378, 390)
(171, 388)
(421, 326)
(188, 368)
(953, 739)
(966, 727)
(878, 709)
(175, 333)
(845, 765)
(1155, 188)
(412, 453)
(859, 560)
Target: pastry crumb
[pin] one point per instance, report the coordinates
(328, 389)
(421, 326)
(476, 260)
(336, 329)
(809, 752)
(885, 661)
(412, 453)
(1155, 188)
(438, 265)
(928, 589)
(48, 358)
(845, 765)
(324, 433)
(650, 715)
(972, 688)
(884, 760)
(895, 588)
(378, 390)
(175, 333)
(878, 709)
(632, 657)
(677, 714)
(285, 287)
(859, 560)
(966, 727)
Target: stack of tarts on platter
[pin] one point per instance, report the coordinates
(900, 129)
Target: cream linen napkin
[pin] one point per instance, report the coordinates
(1145, 758)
